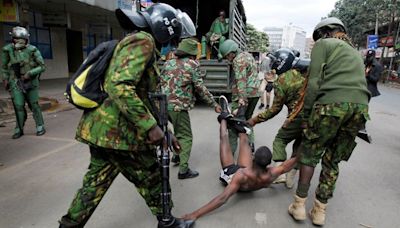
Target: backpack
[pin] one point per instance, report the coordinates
(85, 88)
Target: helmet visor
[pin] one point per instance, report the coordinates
(188, 28)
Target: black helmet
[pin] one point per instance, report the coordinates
(165, 22)
(296, 52)
(301, 65)
(282, 60)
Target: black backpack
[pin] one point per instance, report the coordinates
(85, 88)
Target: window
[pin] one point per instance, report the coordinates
(40, 36)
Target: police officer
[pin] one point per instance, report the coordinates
(335, 109)
(287, 91)
(122, 131)
(218, 30)
(180, 80)
(245, 88)
(22, 65)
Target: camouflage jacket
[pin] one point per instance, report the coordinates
(180, 79)
(246, 82)
(286, 92)
(123, 120)
(29, 58)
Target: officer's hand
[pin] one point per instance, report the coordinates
(251, 122)
(175, 144)
(242, 102)
(218, 109)
(155, 135)
(27, 76)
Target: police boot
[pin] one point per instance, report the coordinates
(317, 213)
(281, 178)
(298, 208)
(66, 222)
(40, 130)
(17, 133)
(290, 178)
(175, 223)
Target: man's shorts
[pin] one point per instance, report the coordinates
(227, 173)
(269, 87)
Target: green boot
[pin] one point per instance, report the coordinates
(17, 133)
(40, 130)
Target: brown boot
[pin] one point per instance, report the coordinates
(290, 178)
(282, 177)
(298, 208)
(317, 213)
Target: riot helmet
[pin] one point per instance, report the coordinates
(327, 24)
(296, 52)
(19, 33)
(282, 60)
(301, 65)
(20, 37)
(164, 22)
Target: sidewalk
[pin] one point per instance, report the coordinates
(52, 99)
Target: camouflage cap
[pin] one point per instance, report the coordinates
(188, 46)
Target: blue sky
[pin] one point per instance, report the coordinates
(303, 13)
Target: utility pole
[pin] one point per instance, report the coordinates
(376, 24)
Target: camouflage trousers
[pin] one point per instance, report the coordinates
(330, 135)
(287, 134)
(233, 135)
(139, 167)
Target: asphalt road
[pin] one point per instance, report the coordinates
(40, 175)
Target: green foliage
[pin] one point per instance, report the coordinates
(359, 16)
(256, 40)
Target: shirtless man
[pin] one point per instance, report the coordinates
(249, 174)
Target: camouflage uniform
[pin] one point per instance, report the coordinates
(31, 62)
(335, 108)
(335, 125)
(287, 92)
(116, 131)
(245, 86)
(180, 79)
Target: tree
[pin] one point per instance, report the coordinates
(256, 40)
(359, 16)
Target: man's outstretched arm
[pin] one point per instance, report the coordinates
(285, 167)
(218, 201)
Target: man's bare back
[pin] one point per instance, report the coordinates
(252, 180)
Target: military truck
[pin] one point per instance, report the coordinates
(218, 74)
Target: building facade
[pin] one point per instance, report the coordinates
(289, 36)
(65, 31)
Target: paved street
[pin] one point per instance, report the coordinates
(40, 175)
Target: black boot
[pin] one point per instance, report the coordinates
(17, 135)
(175, 223)
(66, 222)
(188, 174)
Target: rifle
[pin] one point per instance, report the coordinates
(163, 151)
(16, 67)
